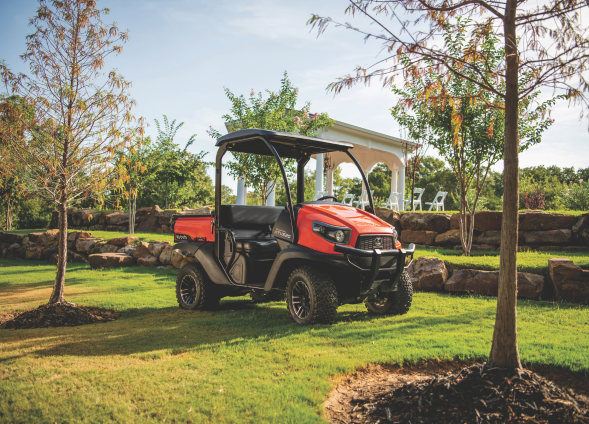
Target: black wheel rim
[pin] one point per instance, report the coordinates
(301, 300)
(188, 289)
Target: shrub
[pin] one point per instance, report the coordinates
(577, 198)
(534, 199)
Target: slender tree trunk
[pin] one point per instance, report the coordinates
(504, 351)
(8, 215)
(59, 284)
(166, 202)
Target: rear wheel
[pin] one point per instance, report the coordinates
(194, 290)
(311, 296)
(395, 303)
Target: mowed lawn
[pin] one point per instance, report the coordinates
(242, 363)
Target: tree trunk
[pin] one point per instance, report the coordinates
(166, 202)
(504, 351)
(8, 215)
(59, 284)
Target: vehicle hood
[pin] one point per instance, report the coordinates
(360, 221)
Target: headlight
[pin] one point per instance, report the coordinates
(332, 233)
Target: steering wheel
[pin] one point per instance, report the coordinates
(328, 197)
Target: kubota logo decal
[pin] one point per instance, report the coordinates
(182, 237)
(282, 233)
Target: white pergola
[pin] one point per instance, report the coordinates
(370, 148)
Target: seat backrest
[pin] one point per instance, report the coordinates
(348, 199)
(249, 217)
(444, 194)
(420, 192)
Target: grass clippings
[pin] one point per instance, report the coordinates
(58, 315)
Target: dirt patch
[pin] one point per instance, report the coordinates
(57, 315)
(458, 392)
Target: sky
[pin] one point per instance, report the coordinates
(182, 54)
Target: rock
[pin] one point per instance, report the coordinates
(581, 230)
(117, 218)
(110, 260)
(164, 220)
(8, 238)
(13, 250)
(543, 221)
(50, 251)
(141, 250)
(530, 286)
(25, 240)
(85, 217)
(123, 241)
(165, 229)
(177, 258)
(490, 237)
(142, 212)
(185, 262)
(166, 255)
(148, 260)
(389, 216)
(207, 210)
(34, 252)
(117, 228)
(156, 248)
(418, 237)
(107, 248)
(548, 237)
(436, 222)
(84, 245)
(103, 216)
(428, 274)
(452, 236)
(96, 227)
(127, 250)
(74, 257)
(73, 236)
(151, 223)
(483, 221)
(571, 282)
(34, 236)
(48, 237)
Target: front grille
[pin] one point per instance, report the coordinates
(370, 242)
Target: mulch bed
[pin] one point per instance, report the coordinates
(57, 315)
(433, 393)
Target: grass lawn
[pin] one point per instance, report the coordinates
(242, 363)
(535, 262)
(107, 235)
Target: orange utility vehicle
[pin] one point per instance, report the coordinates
(321, 254)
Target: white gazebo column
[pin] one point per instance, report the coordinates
(271, 201)
(319, 173)
(394, 181)
(330, 182)
(401, 188)
(240, 192)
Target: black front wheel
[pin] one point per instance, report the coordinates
(397, 302)
(194, 290)
(311, 296)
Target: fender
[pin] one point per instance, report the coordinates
(296, 252)
(204, 254)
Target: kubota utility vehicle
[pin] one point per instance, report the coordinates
(321, 253)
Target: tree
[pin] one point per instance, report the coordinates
(463, 123)
(81, 116)
(545, 41)
(277, 112)
(379, 179)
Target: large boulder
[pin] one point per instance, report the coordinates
(390, 216)
(103, 216)
(8, 238)
(110, 260)
(127, 250)
(483, 221)
(548, 237)
(449, 237)
(34, 236)
(570, 282)
(107, 248)
(530, 286)
(490, 237)
(177, 258)
(543, 221)
(166, 255)
(85, 217)
(156, 248)
(84, 245)
(123, 241)
(436, 222)
(151, 222)
(74, 257)
(47, 238)
(148, 260)
(205, 210)
(34, 252)
(418, 237)
(117, 218)
(581, 230)
(141, 250)
(428, 274)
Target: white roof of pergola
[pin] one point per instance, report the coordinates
(370, 147)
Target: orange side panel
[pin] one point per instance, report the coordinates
(191, 228)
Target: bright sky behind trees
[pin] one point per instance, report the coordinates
(182, 53)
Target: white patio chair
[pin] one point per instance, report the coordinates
(438, 201)
(348, 199)
(392, 202)
(416, 199)
(319, 195)
(360, 204)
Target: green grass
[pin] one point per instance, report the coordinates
(107, 235)
(574, 213)
(535, 262)
(242, 363)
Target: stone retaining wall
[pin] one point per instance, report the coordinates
(153, 220)
(537, 230)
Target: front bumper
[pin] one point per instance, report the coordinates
(376, 255)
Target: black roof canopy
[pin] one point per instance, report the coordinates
(287, 145)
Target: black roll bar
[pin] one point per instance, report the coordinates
(365, 182)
